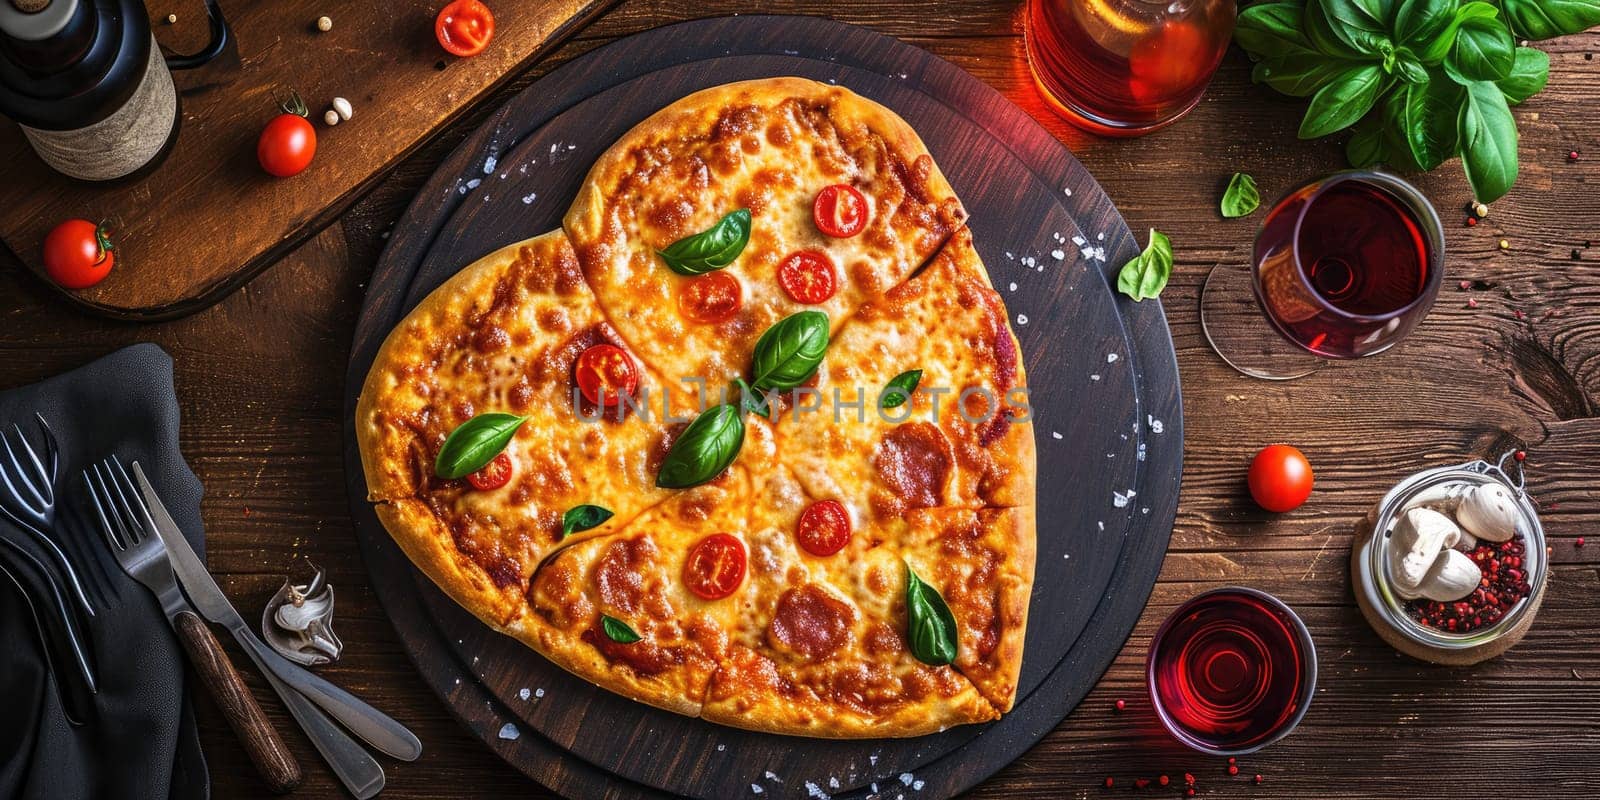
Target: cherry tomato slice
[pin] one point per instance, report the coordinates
(78, 254)
(807, 276)
(494, 474)
(824, 528)
(715, 566)
(840, 211)
(711, 299)
(1280, 478)
(605, 373)
(464, 27)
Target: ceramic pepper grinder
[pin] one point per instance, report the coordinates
(88, 85)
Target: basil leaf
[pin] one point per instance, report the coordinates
(932, 628)
(1529, 73)
(1146, 275)
(1419, 21)
(1547, 19)
(1484, 51)
(1241, 198)
(1345, 27)
(1427, 116)
(1299, 75)
(1442, 43)
(1365, 148)
(704, 449)
(582, 518)
(618, 631)
(1339, 104)
(899, 389)
(711, 249)
(1488, 137)
(789, 353)
(1271, 28)
(1408, 68)
(475, 443)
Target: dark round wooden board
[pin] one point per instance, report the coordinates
(1104, 381)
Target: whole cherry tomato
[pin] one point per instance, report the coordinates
(493, 475)
(78, 254)
(464, 27)
(1280, 478)
(288, 142)
(840, 211)
(605, 372)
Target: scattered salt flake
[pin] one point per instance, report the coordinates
(1144, 510)
(721, 747)
(1079, 241)
(1156, 425)
(1094, 377)
(538, 693)
(509, 731)
(489, 163)
(773, 776)
(756, 789)
(1120, 500)
(1102, 525)
(1055, 434)
(1013, 286)
(874, 787)
(1022, 319)
(473, 184)
(1086, 251)
(815, 791)
(524, 694)
(1029, 261)
(528, 198)
(1100, 236)
(1011, 256)
(906, 778)
(917, 786)
(1141, 451)
(1068, 191)
(1058, 254)
(873, 760)
(1111, 358)
(833, 783)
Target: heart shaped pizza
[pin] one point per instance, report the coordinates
(748, 439)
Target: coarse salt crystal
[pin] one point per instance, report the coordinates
(509, 731)
(524, 694)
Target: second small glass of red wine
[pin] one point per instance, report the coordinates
(1346, 266)
(1231, 671)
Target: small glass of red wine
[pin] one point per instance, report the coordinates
(1231, 671)
(1344, 267)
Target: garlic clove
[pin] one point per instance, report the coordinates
(1452, 577)
(1489, 512)
(1416, 543)
(1443, 498)
(343, 108)
(1467, 543)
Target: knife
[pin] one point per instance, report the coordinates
(372, 725)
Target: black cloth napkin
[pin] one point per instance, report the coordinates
(142, 741)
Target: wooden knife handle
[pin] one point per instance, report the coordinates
(261, 741)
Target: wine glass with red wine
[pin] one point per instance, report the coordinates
(1344, 267)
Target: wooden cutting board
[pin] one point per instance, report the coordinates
(1101, 369)
(208, 218)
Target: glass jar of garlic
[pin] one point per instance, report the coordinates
(1450, 566)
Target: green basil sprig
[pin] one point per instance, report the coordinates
(711, 249)
(704, 449)
(1242, 197)
(582, 518)
(1146, 275)
(1418, 81)
(618, 631)
(475, 443)
(789, 353)
(899, 389)
(932, 629)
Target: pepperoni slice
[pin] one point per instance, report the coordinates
(824, 528)
(606, 372)
(840, 211)
(711, 298)
(715, 566)
(493, 475)
(807, 276)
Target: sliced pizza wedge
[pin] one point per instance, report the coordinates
(743, 204)
(960, 438)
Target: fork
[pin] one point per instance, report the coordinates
(131, 535)
(32, 495)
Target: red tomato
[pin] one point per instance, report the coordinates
(840, 211)
(1280, 478)
(715, 566)
(824, 528)
(78, 254)
(494, 474)
(464, 27)
(711, 298)
(605, 373)
(286, 145)
(807, 276)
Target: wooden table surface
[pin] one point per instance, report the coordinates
(259, 379)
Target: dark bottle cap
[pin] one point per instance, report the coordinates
(78, 74)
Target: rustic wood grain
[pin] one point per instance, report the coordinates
(209, 218)
(259, 378)
(262, 744)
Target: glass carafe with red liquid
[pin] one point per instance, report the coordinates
(1126, 67)
(1231, 671)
